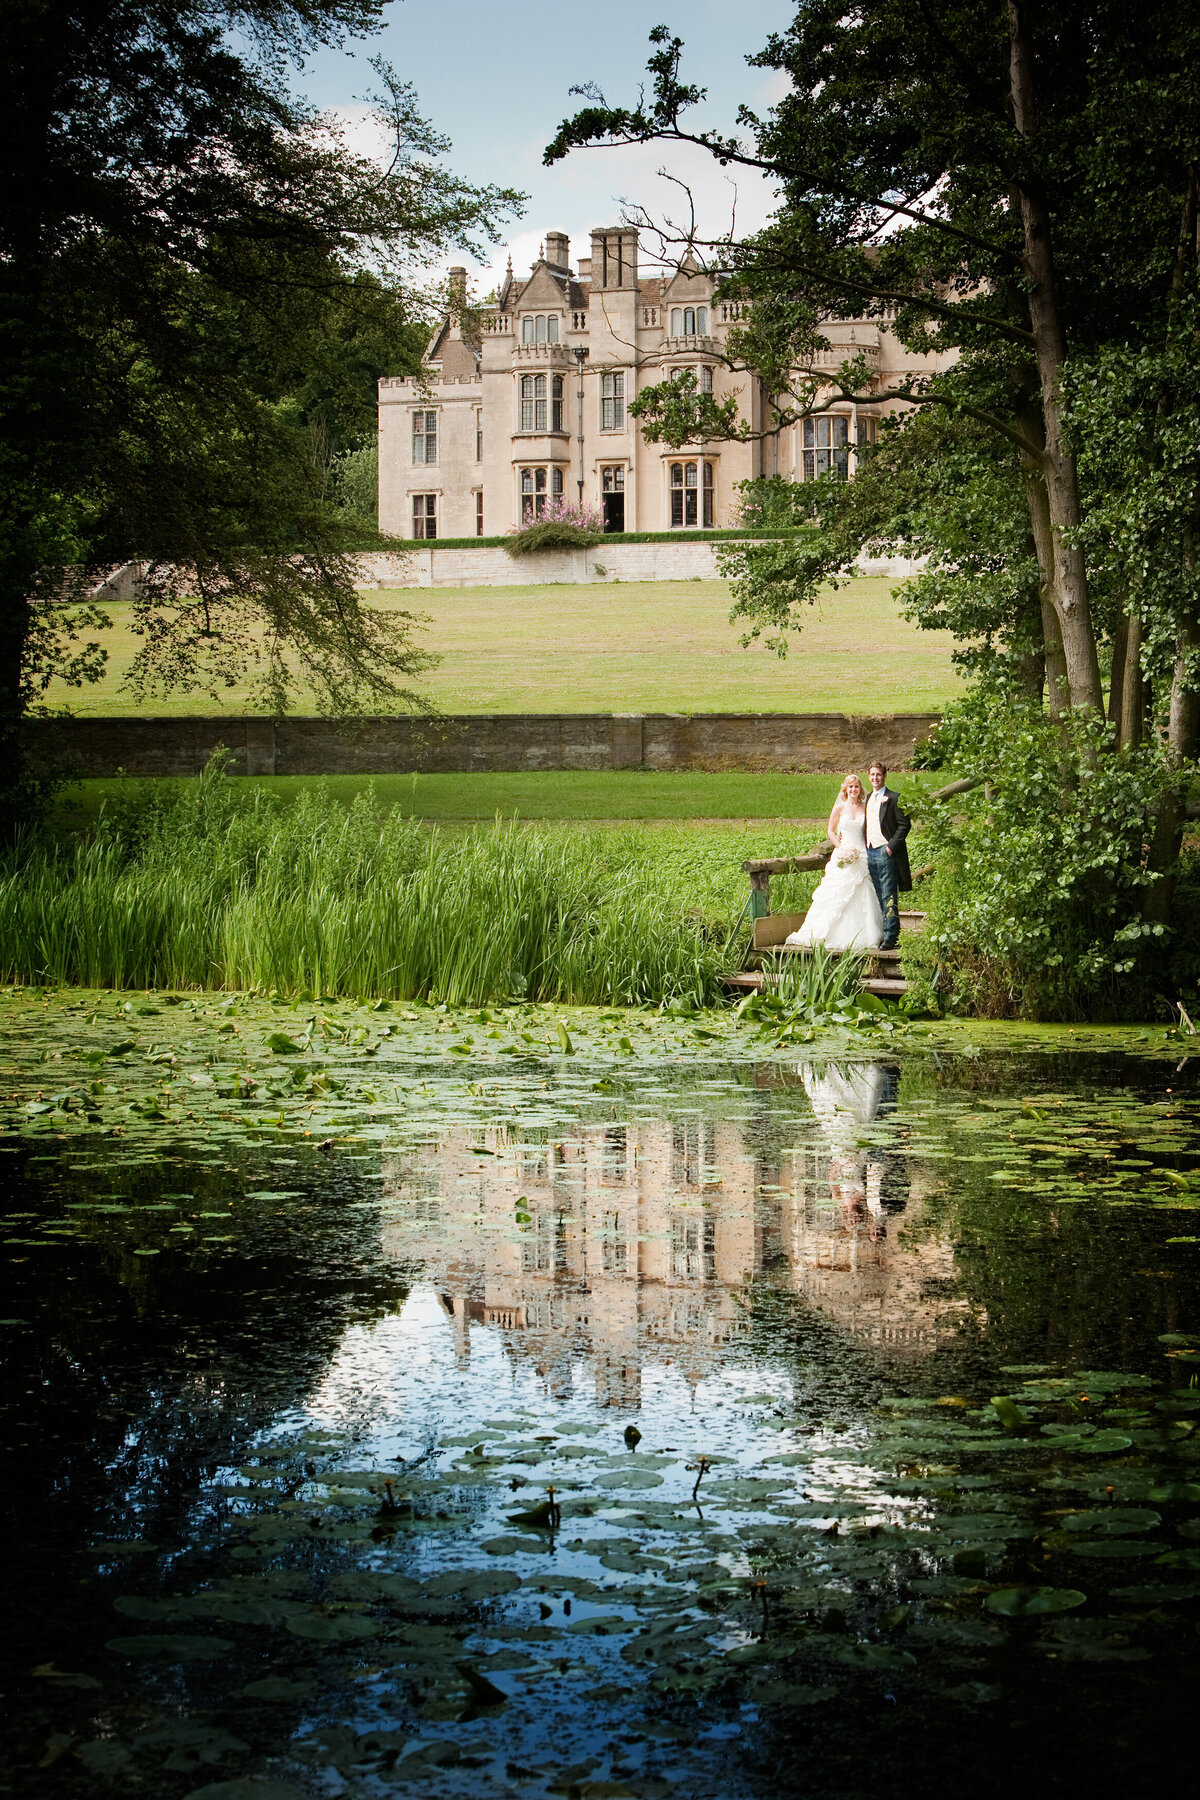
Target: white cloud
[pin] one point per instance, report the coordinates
(594, 188)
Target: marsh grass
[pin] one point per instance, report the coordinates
(202, 888)
(821, 983)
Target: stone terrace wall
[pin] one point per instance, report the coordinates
(490, 565)
(485, 743)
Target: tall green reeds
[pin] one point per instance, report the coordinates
(207, 889)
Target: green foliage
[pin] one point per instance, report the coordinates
(774, 502)
(550, 534)
(356, 484)
(1035, 907)
(675, 412)
(201, 275)
(1135, 411)
(197, 887)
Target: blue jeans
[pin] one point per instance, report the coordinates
(883, 880)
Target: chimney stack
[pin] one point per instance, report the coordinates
(558, 250)
(456, 283)
(614, 256)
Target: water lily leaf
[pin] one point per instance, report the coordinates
(514, 1546)
(789, 1693)
(1180, 1559)
(1016, 1603)
(601, 1625)
(332, 1628)
(283, 1045)
(105, 1757)
(873, 1656)
(278, 1687)
(467, 1584)
(246, 1787)
(181, 1647)
(629, 1478)
(1115, 1548)
(1114, 1519)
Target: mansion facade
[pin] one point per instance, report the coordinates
(537, 409)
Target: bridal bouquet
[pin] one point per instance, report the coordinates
(846, 857)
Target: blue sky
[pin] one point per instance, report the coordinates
(494, 78)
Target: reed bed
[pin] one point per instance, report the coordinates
(204, 889)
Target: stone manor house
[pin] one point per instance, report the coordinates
(539, 407)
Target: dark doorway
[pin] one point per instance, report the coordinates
(612, 495)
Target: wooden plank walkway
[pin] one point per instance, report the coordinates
(885, 967)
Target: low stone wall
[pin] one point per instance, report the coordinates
(468, 743)
(490, 565)
(435, 565)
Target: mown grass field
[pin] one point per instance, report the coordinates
(621, 647)
(543, 795)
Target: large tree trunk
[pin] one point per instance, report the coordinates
(1058, 688)
(1067, 573)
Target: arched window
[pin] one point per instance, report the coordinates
(705, 382)
(677, 321)
(692, 494)
(556, 403)
(540, 324)
(527, 403)
(527, 329)
(552, 328)
(702, 321)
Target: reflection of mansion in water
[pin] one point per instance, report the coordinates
(627, 1245)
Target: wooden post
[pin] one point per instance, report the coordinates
(760, 893)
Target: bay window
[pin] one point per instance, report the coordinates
(538, 486)
(692, 494)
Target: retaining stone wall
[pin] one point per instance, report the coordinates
(485, 743)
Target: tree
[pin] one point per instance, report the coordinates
(1009, 181)
(191, 261)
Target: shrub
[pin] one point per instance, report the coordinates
(1035, 906)
(565, 524)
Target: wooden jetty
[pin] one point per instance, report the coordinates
(884, 969)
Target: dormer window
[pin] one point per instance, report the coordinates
(539, 328)
(689, 321)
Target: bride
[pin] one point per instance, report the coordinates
(845, 912)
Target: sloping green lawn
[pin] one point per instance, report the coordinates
(663, 646)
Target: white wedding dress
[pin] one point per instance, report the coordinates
(845, 912)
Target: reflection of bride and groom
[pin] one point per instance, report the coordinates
(856, 906)
(844, 1099)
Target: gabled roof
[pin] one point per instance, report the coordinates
(544, 288)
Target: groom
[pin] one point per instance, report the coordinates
(887, 853)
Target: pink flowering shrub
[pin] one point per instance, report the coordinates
(562, 524)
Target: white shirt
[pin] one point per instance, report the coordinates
(875, 837)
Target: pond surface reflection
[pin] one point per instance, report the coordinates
(774, 1429)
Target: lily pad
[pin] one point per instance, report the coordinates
(179, 1647)
(1017, 1603)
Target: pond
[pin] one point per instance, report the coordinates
(531, 1402)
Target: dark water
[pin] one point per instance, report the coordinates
(281, 1411)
